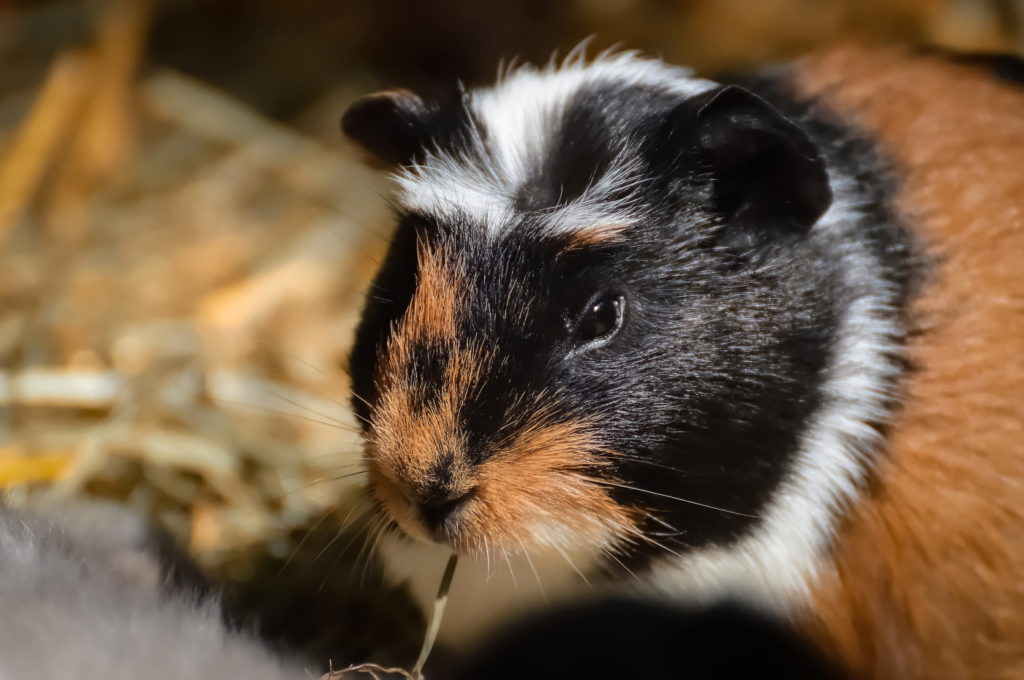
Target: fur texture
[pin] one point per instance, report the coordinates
(512, 125)
(928, 575)
(87, 596)
(814, 397)
(708, 448)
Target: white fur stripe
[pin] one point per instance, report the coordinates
(777, 564)
(519, 116)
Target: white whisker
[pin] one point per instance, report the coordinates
(672, 498)
(511, 572)
(561, 552)
(536, 575)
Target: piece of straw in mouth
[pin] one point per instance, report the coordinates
(428, 639)
(435, 616)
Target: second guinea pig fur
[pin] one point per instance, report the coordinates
(91, 592)
(638, 329)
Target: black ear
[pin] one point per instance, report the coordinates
(769, 177)
(393, 126)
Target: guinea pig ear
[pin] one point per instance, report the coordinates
(769, 177)
(393, 126)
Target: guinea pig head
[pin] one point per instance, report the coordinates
(592, 328)
(472, 438)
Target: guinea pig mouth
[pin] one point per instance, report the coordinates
(430, 519)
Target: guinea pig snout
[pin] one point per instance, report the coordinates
(441, 495)
(441, 510)
(431, 500)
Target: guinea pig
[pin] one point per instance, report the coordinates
(760, 339)
(94, 595)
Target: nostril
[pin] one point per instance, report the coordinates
(436, 509)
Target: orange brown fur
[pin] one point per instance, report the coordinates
(588, 237)
(432, 310)
(539, 482)
(409, 442)
(928, 577)
(404, 444)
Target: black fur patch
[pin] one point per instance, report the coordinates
(593, 130)
(398, 127)
(1006, 67)
(852, 153)
(386, 300)
(430, 363)
(615, 639)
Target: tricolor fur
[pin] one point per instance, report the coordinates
(715, 443)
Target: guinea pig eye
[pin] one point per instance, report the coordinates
(600, 319)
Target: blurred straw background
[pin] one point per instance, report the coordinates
(185, 240)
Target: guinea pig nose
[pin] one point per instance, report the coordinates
(436, 509)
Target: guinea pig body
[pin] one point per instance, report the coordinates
(924, 577)
(763, 342)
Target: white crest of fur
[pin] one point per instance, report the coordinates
(518, 116)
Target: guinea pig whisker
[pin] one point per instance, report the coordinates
(533, 568)
(380, 288)
(673, 498)
(644, 461)
(337, 478)
(325, 478)
(322, 462)
(285, 378)
(611, 554)
(370, 545)
(333, 473)
(302, 541)
(362, 400)
(662, 466)
(295, 402)
(326, 472)
(665, 534)
(648, 539)
(278, 373)
(380, 533)
(341, 553)
(511, 572)
(332, 423)
(316, 558)
(337, 452)
(303, 489)
(654, 518)
(487, 558)
(366, 507)
(565, 556)
(387, 527)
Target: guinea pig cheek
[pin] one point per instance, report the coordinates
(543, 493)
